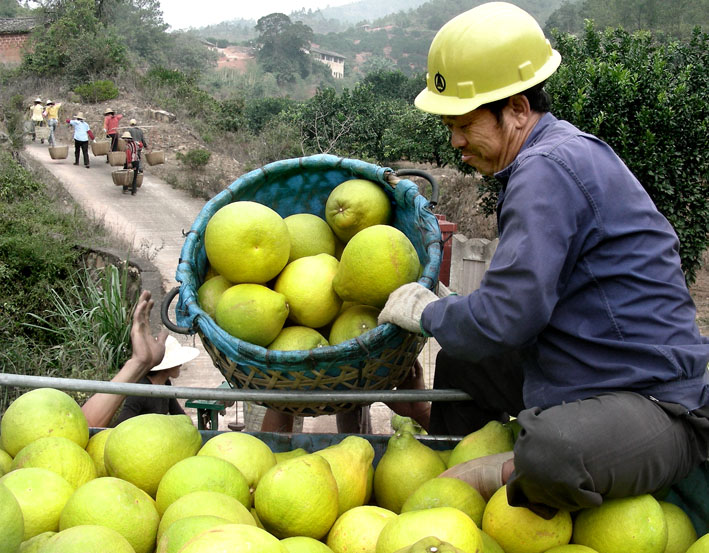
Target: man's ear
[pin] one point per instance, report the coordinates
(518, 109)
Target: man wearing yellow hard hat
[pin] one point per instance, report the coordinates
(583, 327)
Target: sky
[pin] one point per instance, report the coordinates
(182, 14)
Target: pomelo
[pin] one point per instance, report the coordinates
(87, 539)
(355, 205)
(445, 523)
(210, 291)
(41, 495)
(358, 529)
(700, 546)
(303, 544)
(202, 473)
(309, 235)
(247, 242)
(626, 525)
(298, 497)
(95, 449)
(307, 285)
(680, 530)
(492, 438)
(519, 530)
(115, 504)
(59, 455)
(432, 544)
(205, 503)
(234, 538)
(40, 413)
(447, 492)
(33, 545)
(293, 338)
(353, 322)
(183, 530)
(570, 548)
(252, 312)
(142, 449)
(5, 462)
(375, 262)
(248, 453)
(12, 525)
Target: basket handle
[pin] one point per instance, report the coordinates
(393, 179)
(164, 309)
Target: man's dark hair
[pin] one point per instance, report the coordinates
(539, 101)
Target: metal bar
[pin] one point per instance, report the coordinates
(235, 394)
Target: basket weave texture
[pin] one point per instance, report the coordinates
(116, 158)
(58, 152)
(156, 157)
(124, 177)
(377, 360)
(100, 147)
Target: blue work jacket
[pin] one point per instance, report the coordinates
(586, 281)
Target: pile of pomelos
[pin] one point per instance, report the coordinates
(151, 485)
(301, 282)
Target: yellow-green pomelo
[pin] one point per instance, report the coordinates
(307, 285)
(293, 338)
(116, 504)
(142, 449)
(445, 454)
(353, 322)
(252, 312)
(355, 205)
(183, 530)
(489, 544)
(12, 526)
(297, 497)
(700, 546)
(431, 544)
(205, 503)
(309, 235)
(95, 448)
(209, 293)
(349, 462)
(233, 538)
(492, 438)
(282, 456)
(446, 523)
(247, 453)
(247, 242)
(375, 262)
(358, 529)
(59, 455)
(40, 413)
(519, 530)
(405, 465)
(5, 462)
(41, 495)
(202, 473)
(87, 539)
(628, 525)
(33, 545)
(447, 492)
(680, 530)
(303, 544)
(570, 548)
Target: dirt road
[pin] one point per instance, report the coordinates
(153, 221)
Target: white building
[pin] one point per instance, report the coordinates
(335, 61)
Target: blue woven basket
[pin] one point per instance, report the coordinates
(377, 360)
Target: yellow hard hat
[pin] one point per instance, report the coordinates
(485, 54)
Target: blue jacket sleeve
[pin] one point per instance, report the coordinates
(539, 218)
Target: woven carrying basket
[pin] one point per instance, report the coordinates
(124, 177)
(155, 157)
(116, 158)
(100, 147)
(58, 152)
(377, 360)
(121, 145)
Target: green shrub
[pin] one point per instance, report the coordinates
(97, 91)
(195, 159)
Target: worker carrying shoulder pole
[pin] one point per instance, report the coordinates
(583, 327)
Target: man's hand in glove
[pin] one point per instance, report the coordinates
(405, 306)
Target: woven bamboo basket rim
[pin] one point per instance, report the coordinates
(156, 157)
(100, 147)
(58, 152)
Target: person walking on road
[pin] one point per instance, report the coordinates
(82, 135)
(110, 127)
(131, 160)
(37, 117)
(583, 327)
(51, 112)
(139, 138)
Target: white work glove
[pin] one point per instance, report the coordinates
(405, 306)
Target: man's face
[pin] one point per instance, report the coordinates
(483, 141)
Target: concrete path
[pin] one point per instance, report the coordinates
(153, 221)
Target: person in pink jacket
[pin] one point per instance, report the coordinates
(110, 127)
